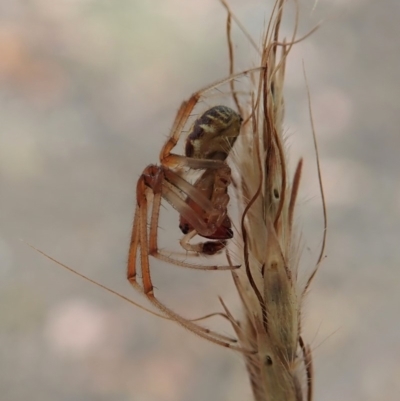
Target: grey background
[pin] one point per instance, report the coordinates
(88, 92)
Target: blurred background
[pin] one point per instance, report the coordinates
(88, 93)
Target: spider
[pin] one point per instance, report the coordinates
(202, 206)
(204, 211)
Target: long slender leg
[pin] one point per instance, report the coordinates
(195, 328)
(190, 190)
(141, 209)
(144, 251)
(139, 237)
(134, 246)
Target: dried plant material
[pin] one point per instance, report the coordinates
(281, 367)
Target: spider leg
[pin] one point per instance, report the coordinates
(190, 190)
(207, 334)
(139, 239)
(134, 246)
(141, 209)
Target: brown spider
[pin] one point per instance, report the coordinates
(202, 206)
(204, 211)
